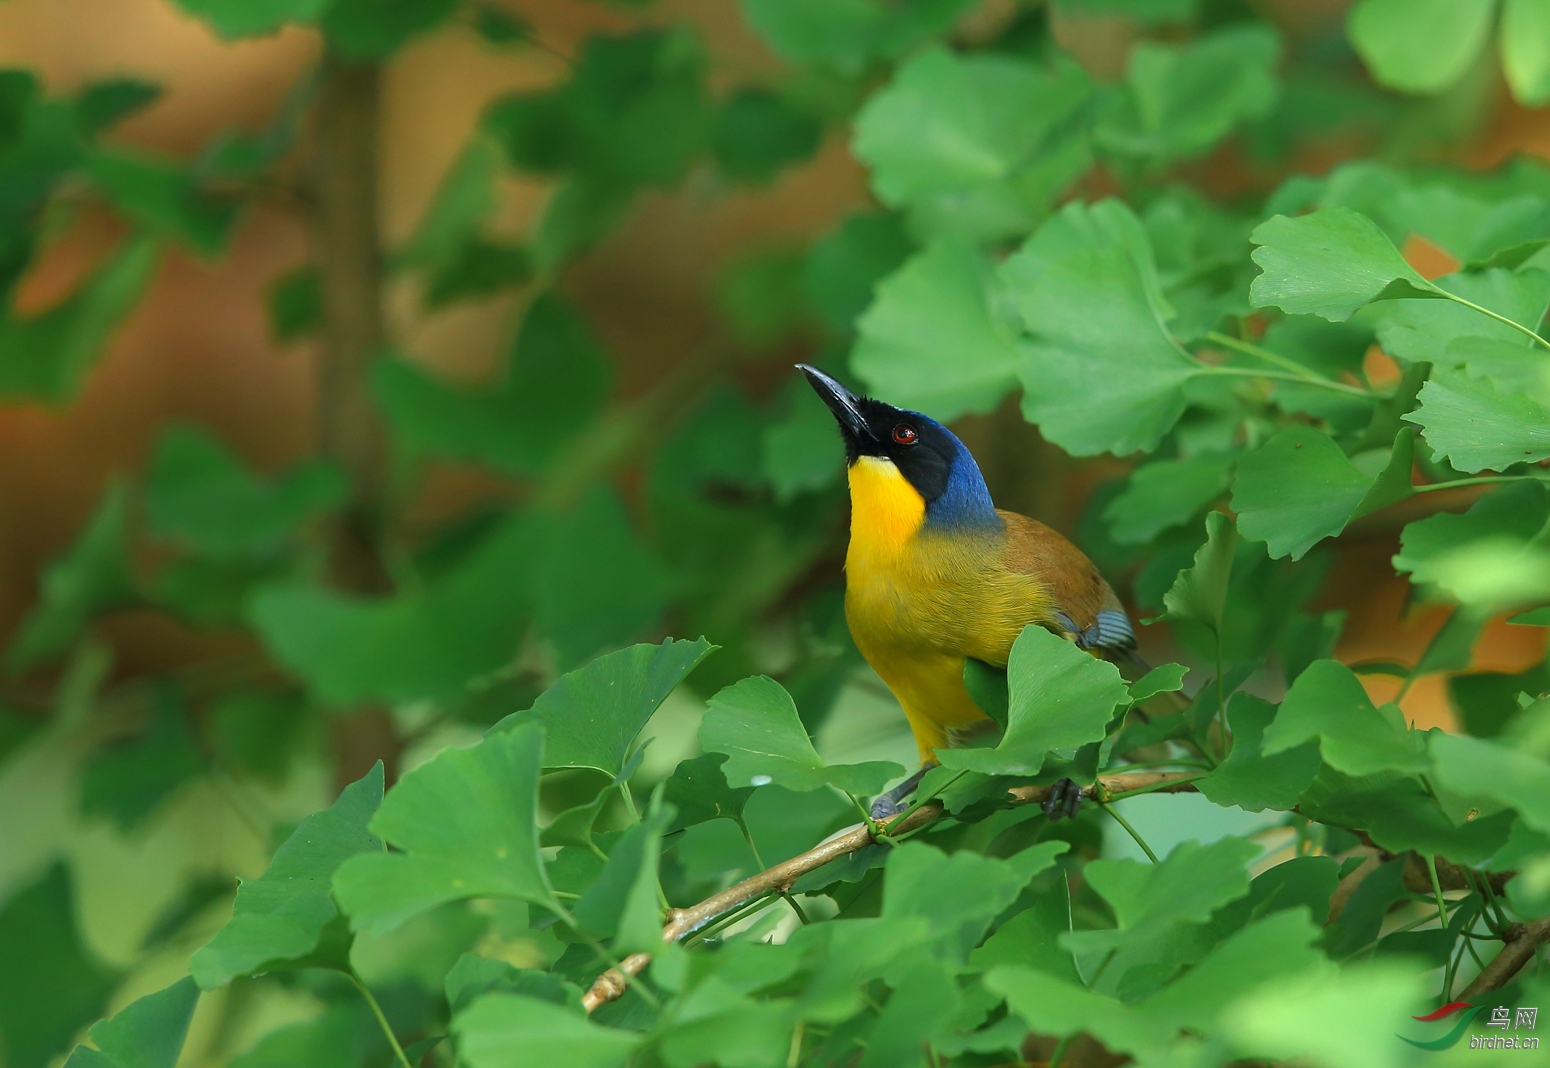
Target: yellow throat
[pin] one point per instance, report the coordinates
(886, 512)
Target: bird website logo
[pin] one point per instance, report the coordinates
(1520, 1019)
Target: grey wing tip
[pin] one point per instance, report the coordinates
(1110, 632)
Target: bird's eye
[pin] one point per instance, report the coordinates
(904, 434)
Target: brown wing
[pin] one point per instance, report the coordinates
(1098, 620)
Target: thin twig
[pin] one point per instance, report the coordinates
(1522, 942)
(382, 1021)
(683, 922)
(1134, 834)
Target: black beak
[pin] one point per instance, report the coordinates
(842, 402)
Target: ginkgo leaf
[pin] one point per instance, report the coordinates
(1330, 263)
(1299, 488)
(467, 822)
(932, 339)
(1100, 372)
(286, 918)
(1059, 697)
(755, 723)
(1328, 703)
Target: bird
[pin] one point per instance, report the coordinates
(936, 574)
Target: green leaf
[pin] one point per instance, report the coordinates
(595, 584)
(426, 643)
(295, 305)
(1199, 593)
(1032, 937)
(1273, 1021)
(327, 1041)
(574, 825)
(1182, 99)
(93, 576)
(850, 34)
(1486, 558)
(698, 792)
(146, 1033)
(198, 493)
(1447, 333)
(1054, 1007)
(755, 723)
(259, 732)
(1505, 774)
(1398, 814)
(592, 715)
(126, 782)
(1487, 700)
(716, 1022)
(365, 30)
(634, 113)
(760, 297)
(959, 894)
(1191, 883)
(1144, 12)
(253, 18)
(1420, 46)
(932, 340)
(758, 132)
(924, 1000)
(512, 1031)
(1299, 488)
(1278, 945)
(472, 977)
(976, 147)
(1060, 697)
(1476, 427)
(844, 266)
(622, 904)
(557, 380)
(1165, 678)
(286, 917)
(1167, 493)
(1525, 43)
(462, 201)
(103, 105)
(1329, 263)
(51, 986)
(988, 688)
(1327, 702)
(47, 356)
(163, 198)
(477, 269)
(1102, 373)
(801, 453)
(1250, 779)
(501, 27)
(467, 823)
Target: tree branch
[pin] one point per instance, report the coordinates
(683, 922)
(349, 257)
(1519, 948)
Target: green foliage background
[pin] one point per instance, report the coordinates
(1036, 232)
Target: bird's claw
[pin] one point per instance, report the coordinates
(1064, 800)
(886, 806)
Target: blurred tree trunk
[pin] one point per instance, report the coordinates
(348, 252)
(349, 259)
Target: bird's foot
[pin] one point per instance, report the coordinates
(1064, 800)
(886, 807)
(892, 803)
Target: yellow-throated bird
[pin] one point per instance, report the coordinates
(936, 573)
